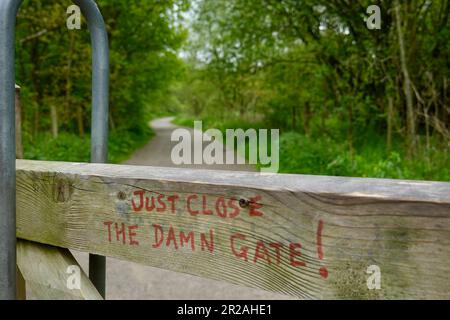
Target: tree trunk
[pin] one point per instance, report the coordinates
(294, 118)
(350, 130)
(446, 111)
(410, 117)
(112, 124)
(54, 116)
(37, 87)
(390, 116)
(306, 118)
(80, 121)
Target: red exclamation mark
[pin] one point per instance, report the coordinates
(323, 271)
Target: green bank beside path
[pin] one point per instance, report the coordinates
(71, 147)
(329, 154)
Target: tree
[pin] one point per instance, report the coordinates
(53, 63)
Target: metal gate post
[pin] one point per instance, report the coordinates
(99, 146)
(8, 10)
(100, 112)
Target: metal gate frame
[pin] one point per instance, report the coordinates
(99, 135)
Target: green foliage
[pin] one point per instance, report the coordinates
(54, 70)
(310, 68)
(67, 147)
(337, 90)
(70, 147)
(327, 156)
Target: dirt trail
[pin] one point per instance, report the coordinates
(157, 151)
(127, 280)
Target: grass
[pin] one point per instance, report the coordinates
(325, 156)
(330, 155)
(73, 148)
(320, 155)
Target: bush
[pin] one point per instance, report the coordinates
(71, 147)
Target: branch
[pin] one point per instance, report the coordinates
(34, 36)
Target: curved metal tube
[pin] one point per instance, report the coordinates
(100, 112)
(8, 10)
(100, 80)
(100, 102)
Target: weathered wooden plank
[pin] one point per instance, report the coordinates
(21, 288)
(45, 270)
(307, 236)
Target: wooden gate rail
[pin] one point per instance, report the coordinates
(47, 271)
(306, 236)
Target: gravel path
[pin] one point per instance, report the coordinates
(127, 280)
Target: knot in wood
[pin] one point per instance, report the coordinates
(62, 191)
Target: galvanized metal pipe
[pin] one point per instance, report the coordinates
(100, 79)
(99, 146)
(8, 11)
(100, 112)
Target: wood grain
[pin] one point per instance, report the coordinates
(328, 230)
(44, 269)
